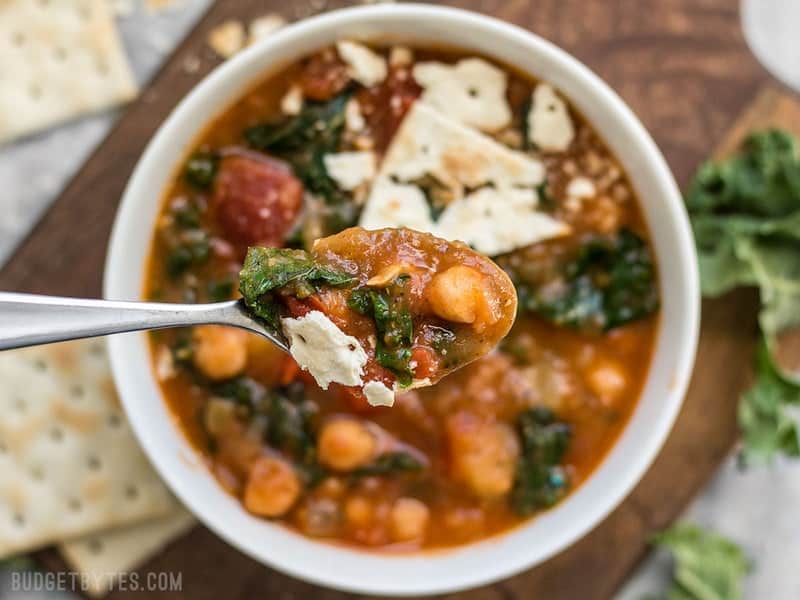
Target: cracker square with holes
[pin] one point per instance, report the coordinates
(58, 60)
(69, 464)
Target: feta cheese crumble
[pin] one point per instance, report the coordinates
(549, 124)
(472, 91)
(350, 169)
(324, 350)
(378, 394)
(292, 101)
(364, 65)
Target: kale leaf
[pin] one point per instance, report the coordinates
(394, 326)
(764, 413)
(391, 463)
(303, 140)
(201, 170)
(745, 214)
(540, 481)
(294, 271)
(707, 566)
(610, 282)
(192, 249)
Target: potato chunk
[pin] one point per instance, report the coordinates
(219, 352)
(272, 487)
(346, 444)
(461, 295)
(483, 454)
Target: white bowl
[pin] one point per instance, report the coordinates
(493, 558)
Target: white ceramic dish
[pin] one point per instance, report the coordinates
(493, 558)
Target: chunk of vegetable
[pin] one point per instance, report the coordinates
(256, 200)
(201, 169)
(540, 482)
(391, 463)
(272, 487)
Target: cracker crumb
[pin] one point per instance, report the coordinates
(227, 38)
(262, 27)
(292, 101)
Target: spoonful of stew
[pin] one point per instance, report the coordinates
(374, 311)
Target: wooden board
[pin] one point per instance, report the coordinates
(683, 67)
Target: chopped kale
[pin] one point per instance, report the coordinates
(266, 270)
(540, 481)
(394, 325)
(201, 169)
(290, 424)
(244, 391)
(187, 214)
(302, 140)
(193, 249)
(609, 283)
(707, 566)
(391, 463)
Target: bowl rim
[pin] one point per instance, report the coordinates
(427, 572)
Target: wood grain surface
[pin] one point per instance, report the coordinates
(682, 65)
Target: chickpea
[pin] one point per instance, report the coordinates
(460, 294)
(484, 453)
(272, 487)
(608, 379)
(346, 444)
(358, 511)
(409, 519)
(219, 352)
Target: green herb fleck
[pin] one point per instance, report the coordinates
(220, 290)
(391, 463)
(192, 250)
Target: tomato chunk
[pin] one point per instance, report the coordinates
(324, 76)
(384, 106)
(255, 200)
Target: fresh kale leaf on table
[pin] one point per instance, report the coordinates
(707, 566)
(745, 215)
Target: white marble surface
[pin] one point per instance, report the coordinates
(758, 509)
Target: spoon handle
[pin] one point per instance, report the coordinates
(28, 320)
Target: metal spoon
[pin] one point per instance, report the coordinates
(28, 320)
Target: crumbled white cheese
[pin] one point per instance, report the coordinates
(364, 65)
(353, 119)
(393, 204)
(324, 350)
(292, 101)
(430, 143)
(496, 221)
(378, 394)
(401, 56)
(549, 124)
(472, 91)
(581, 187)
(350, 169)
